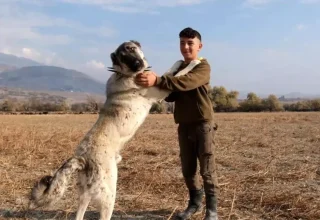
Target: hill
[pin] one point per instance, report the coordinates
(4, 68)
(50, 78)
(14, 61)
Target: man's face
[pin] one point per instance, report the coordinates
(189, 48)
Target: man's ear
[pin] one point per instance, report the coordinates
(200, 46)
(136, 42)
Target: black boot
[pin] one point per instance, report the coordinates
(194, 205)
(211, 208)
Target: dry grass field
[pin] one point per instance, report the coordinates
(268, 166)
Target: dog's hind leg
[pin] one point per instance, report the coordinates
(107, 203)
(83, 204)
(107, 195)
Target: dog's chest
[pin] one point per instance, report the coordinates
(136, 112)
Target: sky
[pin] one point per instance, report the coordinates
(264, 46)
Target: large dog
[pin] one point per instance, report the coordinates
(96, 157)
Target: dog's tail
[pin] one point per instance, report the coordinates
(50, 189)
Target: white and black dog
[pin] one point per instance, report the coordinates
(96, 157)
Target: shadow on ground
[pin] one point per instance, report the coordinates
(90, 215)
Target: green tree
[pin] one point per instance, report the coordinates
(253, 103)
(272, 104)
(232, 101)
(93, 105)
(35, 104)
(302, 106)
(315, 104)
(8, 105)
(25, 106)
(63, 106)
(218, 96)
(222, 100)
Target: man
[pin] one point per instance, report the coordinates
(194, 114)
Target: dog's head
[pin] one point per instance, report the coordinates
(128, 59)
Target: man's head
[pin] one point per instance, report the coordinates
(190, 44)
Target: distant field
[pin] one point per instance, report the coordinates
(24, 95)
(268, 166)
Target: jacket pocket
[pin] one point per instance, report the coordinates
(204, 127)
(200, 110)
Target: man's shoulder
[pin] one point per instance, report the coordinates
(202, 66)
(204, 63)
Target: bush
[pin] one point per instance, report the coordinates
(157, 108)
(9, 105)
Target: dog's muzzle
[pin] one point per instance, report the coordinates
(135, 65)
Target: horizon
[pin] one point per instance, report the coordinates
(252, 45)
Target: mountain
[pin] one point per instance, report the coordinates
(301, 95)
(4, 67)
(50, 78)
(243, 94)
(14, 61)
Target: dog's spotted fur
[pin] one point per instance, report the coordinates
(96, 157)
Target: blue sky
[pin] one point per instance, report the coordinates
(265, 46)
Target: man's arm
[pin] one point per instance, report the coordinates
(199, 76)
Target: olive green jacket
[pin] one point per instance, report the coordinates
(190, 93)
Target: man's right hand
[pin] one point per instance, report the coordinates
(146, 79)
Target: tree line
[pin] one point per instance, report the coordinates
(222, 100)
(228, 101)
(35, 104)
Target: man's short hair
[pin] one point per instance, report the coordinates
(190, 33)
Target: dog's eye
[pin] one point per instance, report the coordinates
(131, 49)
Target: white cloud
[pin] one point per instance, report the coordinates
(18, 24)
(173, 3)
(30, 53)
(44, 57)
(33, 2)
(95, 64)
(21, 33)
(90, 50)
(51, 59)
(310, 1)
(100, 31)
(6, 51)
(129, 9)
(300, 27)
(21, 52)
(136, 2)
(136, 6)
(256, 3)
(264, 69)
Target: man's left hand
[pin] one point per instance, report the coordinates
(146, 79)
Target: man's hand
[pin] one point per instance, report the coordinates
(146, 79)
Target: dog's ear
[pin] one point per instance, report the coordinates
(114, 59)
(136, 42)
